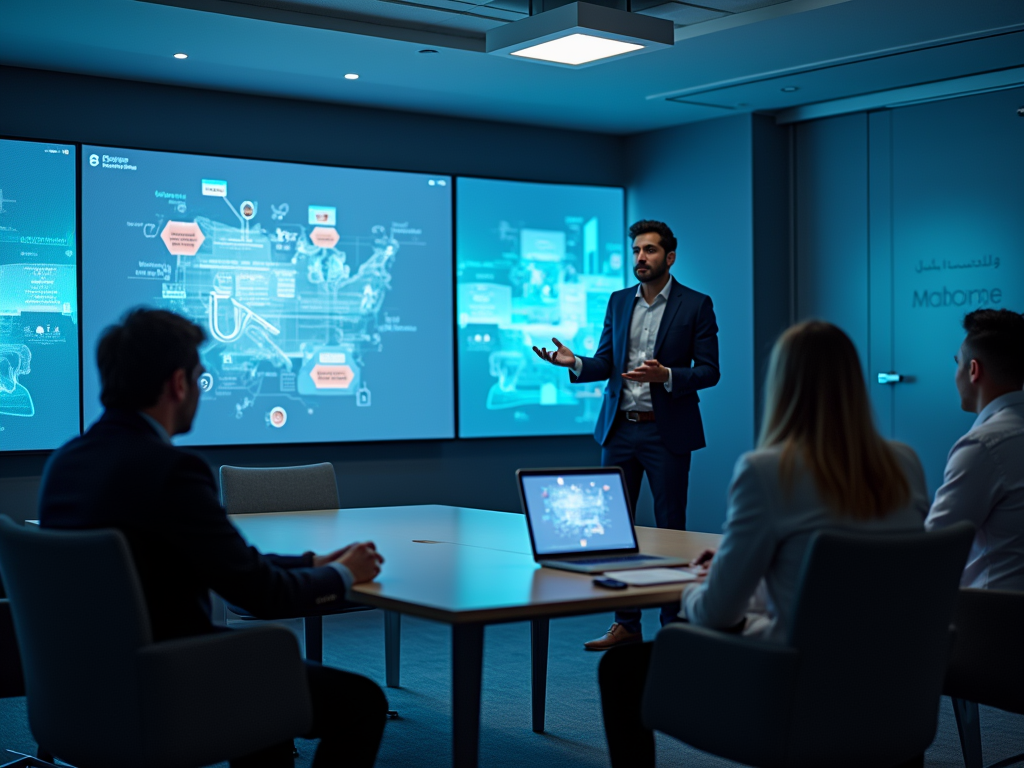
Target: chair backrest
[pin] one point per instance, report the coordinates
(987, 665)
(12, 682)
(872, 626)
(79, 617)
(249, 490)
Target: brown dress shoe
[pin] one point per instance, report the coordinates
(616, 635)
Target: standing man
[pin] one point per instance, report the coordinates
(984, 478)
(658, 347)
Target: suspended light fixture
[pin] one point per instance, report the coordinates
(578, 35)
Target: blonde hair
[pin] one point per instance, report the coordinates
(817, 409)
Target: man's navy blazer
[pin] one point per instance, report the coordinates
(687, 342)
(121, 474)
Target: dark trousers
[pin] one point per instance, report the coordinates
(349, 712)
(622, 675)
(638, 448)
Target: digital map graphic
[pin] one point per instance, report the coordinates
(296, 291)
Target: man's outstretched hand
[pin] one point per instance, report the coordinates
(560, 355)
(649, 372)
(362, 559)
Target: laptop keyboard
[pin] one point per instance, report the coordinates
(620, 559)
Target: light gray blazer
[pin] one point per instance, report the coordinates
(767, 533)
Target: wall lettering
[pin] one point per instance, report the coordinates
(958, 297)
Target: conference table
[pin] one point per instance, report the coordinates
(467, 568)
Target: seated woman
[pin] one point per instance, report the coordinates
(820, 463)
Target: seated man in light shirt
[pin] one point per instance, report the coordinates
(984, 478)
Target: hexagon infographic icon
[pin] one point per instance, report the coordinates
(182, 238)
(324, 237)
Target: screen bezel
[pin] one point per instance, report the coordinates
(524, 473)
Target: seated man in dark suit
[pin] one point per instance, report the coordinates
(125, 474)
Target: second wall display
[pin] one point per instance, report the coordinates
(533, 262)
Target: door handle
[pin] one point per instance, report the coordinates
(890, 378)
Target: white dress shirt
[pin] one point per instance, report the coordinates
(643, 333)
(984, 483)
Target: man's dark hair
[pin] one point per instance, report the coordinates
(139, 355)
(642, 227)
(996, 337)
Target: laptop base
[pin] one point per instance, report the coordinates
(616, 564)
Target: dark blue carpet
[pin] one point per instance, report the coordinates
(574, 738)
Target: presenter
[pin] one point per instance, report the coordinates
(658, 347)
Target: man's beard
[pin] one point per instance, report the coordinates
(653, 273)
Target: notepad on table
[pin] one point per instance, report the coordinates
(646, 577)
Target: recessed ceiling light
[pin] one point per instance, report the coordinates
(351, 76)
(181, 55)
(579, 34)
(790, 89)
(428, 50)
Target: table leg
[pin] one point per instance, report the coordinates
(539, 669)
(467, 671)
(313, 635)
(392, 647)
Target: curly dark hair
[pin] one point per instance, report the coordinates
(996, 337)
(642, 227)
(137, 356)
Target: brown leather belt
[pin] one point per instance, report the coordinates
(638, 417)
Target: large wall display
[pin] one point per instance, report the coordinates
(38, 296)
(533, 261)
(326, 293)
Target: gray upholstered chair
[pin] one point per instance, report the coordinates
(987, 665)
(101, 694)
(255, 490)
(12, 681)
(857, 681)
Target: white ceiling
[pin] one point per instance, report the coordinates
(829, 51)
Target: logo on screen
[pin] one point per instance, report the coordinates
(323, 214)
(94, 160)
(278, 417)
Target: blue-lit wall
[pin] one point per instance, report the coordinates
(698, 179)
(906, 220)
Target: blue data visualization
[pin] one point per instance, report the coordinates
(533, 261)
(325, 293)
(578, 513)
(39, 397)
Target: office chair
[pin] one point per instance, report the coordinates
(101, 693)
(255, 490)
(987, 664)
(12, 682)
(859, 678)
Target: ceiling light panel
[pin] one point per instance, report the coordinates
(579, 35)
(577, 49)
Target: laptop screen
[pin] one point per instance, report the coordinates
(572, 512)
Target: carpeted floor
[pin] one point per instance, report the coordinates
(574, 738)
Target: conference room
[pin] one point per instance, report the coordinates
(511, 383)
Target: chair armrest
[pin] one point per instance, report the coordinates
(216, 697)
(704, 687)
(987, 662)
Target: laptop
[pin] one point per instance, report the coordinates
(580, 520)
